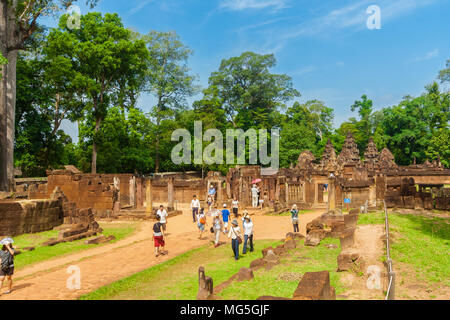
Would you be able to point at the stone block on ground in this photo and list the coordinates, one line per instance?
(271, 257)
(316, 224)
(100, 239)
(244, 274)
(264, 251)
(315, 286)
(351, 220)
(76, 229)
(290, 244)
(205, 285)
(279, 250)
(350, 261)
(347, 239)
(314, 237)
(258, 263)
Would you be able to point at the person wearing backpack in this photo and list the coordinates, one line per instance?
(158, 237)
(294, 217)
(201, 218)
(7, 265)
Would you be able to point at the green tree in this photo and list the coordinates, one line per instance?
(248, 92)
(444, 75)
(168, 79)
(104, 57)
(3, 61)
(18, 23)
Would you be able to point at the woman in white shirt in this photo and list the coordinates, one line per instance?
(235, 235)
(248, 233)
(195, 206)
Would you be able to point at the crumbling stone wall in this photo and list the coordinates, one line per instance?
(29, 216)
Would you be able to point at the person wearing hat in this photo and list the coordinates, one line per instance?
(235, 235)
(294, 216)
(255, 195)
(7, 265)
(248, 232)
(225, 217)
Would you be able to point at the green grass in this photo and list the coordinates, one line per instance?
(419, 241)
(40, 254)
(268, 283)
(176, 279)
(288, 213)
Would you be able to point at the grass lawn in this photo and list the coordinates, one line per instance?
(288, 213)
(419, 241)
(119, 230)
(176, 279)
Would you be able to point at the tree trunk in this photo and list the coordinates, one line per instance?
(8, 37)
(94, 148)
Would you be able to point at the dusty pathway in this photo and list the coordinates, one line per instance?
(369, 244)
(103, 265)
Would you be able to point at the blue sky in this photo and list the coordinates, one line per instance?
(325, 46)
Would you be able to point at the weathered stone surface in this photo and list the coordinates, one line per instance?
(258, 263)
(279, 250)
(316, 224)
(350, 220)
(271, 257)
(290, 244)
(77, 229)
(205, 285)
(244, 274)
(314, 237)
(409, 202)
(264, 251)
(347, 239)
(315, 286)
(354, 211)
(350, 261)
(100, 239)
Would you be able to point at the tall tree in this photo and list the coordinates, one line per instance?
(248, 92)
(18, 22)
(104, 57)
(169, 79)
(444, 75)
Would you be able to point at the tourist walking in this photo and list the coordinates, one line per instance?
(212, 192)
(218, 226)
(7, 263)
(294, 216)
(254, 196)
(195, 207)
(162, 213)
(225, 217)
(236, 238)
(235, 204)
(158, 237)
(209, 201)
(248, 232)
(201, 218)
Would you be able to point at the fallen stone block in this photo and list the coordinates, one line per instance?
(258, 263)
(315, 286)
(72, 231)
(314, 237)
(271, 257)
(350, 261)
(264, 251)
(347, 239)
(289, 244)
(316, 224)
(244, 274)
(205, 286)
(351, 220)
(279, 250)
(354, 211)
(100, 239)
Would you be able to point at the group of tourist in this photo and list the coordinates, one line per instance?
(219, 225)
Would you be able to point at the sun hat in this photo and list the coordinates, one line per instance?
(6, 241)
(235, 223)
(224, 205)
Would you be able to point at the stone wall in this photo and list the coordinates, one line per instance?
(29, 216)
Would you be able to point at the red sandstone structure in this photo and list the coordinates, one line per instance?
(367, 182)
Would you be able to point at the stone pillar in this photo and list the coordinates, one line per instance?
(139, 199)
(116, 207)
(219, 192)
(170, 194)
(277, 190)
(331, 196)
(287, 193)
(133, 191)
(316, 193)
(148, 198)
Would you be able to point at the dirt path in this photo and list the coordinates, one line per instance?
(369, 244)
(103, 265)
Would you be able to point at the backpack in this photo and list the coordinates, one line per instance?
(7, 262)
(202, 220)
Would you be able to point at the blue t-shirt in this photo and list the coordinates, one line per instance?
(225, 215)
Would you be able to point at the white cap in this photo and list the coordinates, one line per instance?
(224, 205)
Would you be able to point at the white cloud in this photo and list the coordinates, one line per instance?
(429, 55)
(304, 70)
(239, 5)
(139, 7)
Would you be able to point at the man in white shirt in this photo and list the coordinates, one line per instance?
(254, 196)
(162, 213)
(195, 206)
